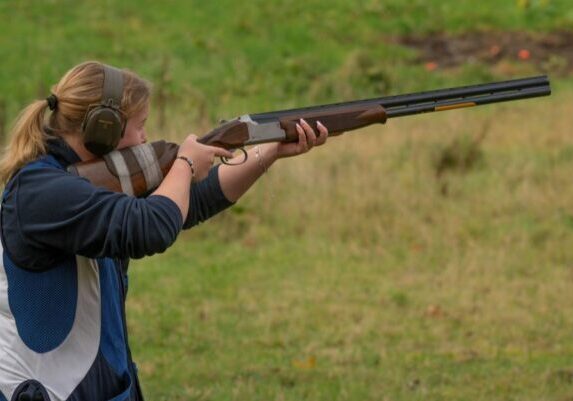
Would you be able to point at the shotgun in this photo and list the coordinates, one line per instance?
(140, 169)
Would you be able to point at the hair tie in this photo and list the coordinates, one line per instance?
(52, 102)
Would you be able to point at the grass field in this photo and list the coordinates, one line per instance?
(370, 269)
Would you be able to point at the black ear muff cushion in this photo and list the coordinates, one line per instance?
(103, 128)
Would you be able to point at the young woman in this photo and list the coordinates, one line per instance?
(66, 243)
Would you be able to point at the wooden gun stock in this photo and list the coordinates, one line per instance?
(135, 171)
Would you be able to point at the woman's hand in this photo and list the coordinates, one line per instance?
(307, 139)
(202, 156)
(236, 180)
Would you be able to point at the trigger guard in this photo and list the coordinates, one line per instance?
(225, 160)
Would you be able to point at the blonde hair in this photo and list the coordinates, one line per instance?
(78, 89)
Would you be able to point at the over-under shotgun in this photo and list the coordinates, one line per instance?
(140, 169)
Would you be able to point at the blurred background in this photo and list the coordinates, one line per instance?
(426, 259)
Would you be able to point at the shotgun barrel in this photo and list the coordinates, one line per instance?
(435, 100)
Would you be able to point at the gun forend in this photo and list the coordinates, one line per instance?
(338, 120)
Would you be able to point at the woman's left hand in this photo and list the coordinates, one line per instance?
(307, 139)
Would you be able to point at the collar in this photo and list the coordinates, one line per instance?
(63, 153)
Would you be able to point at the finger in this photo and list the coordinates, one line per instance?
(310, 134)
(322, 133)
(222, 152)
(322, 130)
(302, 140)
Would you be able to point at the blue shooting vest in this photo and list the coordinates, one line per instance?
(64, 327)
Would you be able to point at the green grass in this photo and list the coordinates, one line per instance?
(352, 273)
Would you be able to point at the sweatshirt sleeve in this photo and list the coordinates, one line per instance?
(48, 212)
(207, 199)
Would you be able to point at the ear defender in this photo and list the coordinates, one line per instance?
(104, 123)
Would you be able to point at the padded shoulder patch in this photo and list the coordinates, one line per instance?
(43, 303)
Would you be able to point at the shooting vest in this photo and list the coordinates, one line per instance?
(62, 330)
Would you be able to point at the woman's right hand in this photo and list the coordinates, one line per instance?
(202, 156)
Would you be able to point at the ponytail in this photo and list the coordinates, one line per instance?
(28, 140)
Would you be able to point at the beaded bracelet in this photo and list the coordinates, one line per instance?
(190, 162)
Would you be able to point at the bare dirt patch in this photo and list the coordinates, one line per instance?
(551, 53)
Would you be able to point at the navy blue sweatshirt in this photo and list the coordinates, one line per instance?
(49, 214)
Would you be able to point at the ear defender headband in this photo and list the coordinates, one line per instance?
(104, 123)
